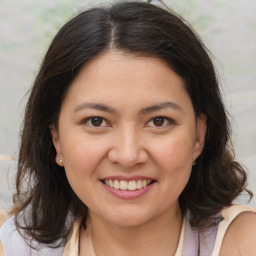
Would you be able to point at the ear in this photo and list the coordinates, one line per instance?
(201, 128)
(57, 145)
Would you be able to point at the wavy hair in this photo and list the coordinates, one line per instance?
(43, 192)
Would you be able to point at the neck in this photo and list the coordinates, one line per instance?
(159, 236)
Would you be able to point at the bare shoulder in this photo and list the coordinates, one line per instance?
(240, 238)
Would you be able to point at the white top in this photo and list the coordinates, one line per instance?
(209, 242)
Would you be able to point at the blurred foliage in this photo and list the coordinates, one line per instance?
(49, 16)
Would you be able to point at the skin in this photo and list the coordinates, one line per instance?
(130, 141)
(240, 237)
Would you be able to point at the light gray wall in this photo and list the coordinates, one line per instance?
(227, 27)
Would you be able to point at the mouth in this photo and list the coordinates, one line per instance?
(125, 185)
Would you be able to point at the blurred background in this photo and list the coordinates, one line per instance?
(228, 28)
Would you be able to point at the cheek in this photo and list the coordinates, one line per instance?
(82, 156)
(174, 158)
(81, 149)
(81, 159)
(176, 152)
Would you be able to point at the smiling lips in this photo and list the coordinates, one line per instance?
(128, 188)
(127, 185)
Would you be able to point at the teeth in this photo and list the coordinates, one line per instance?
(123, 185)
(139, 184)
(116, 184)
(111, 183)
(144, 183)
(127, 185)
(132, 185)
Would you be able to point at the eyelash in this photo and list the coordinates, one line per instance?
(91, 118)
(166, 121)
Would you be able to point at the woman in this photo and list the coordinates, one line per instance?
(125, 148)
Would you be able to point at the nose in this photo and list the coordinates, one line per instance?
(127, 149)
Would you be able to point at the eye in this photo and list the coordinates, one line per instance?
(96, 121)
(160, 121)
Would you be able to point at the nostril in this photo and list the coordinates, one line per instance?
(127, 155)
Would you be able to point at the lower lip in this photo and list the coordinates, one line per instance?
(128, 194)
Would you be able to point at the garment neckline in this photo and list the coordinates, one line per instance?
(72, 244)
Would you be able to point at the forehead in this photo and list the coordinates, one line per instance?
(117, 77)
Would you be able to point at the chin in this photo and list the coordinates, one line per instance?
(129, 222)
(129, 218)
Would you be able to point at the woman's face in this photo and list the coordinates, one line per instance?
(128, 136)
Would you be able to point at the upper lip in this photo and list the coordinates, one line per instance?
(120, 177)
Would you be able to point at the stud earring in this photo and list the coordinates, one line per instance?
(61, 160)
(194, 163)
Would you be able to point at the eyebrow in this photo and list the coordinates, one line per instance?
(96, 106)
(146, 110)
(160, 106)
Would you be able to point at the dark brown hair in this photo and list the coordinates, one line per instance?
(44, 195)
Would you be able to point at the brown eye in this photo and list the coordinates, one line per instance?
(96, 121)
(158, 121)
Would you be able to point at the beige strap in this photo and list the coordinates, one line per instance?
(71, 248)
(228, 214)
(72, 245)
(181, 241)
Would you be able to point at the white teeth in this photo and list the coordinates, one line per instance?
(111, 183)
(116, 184)
(144, 183)
(139, 184)
(123, 185)
(127, 185)
(132, 185)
